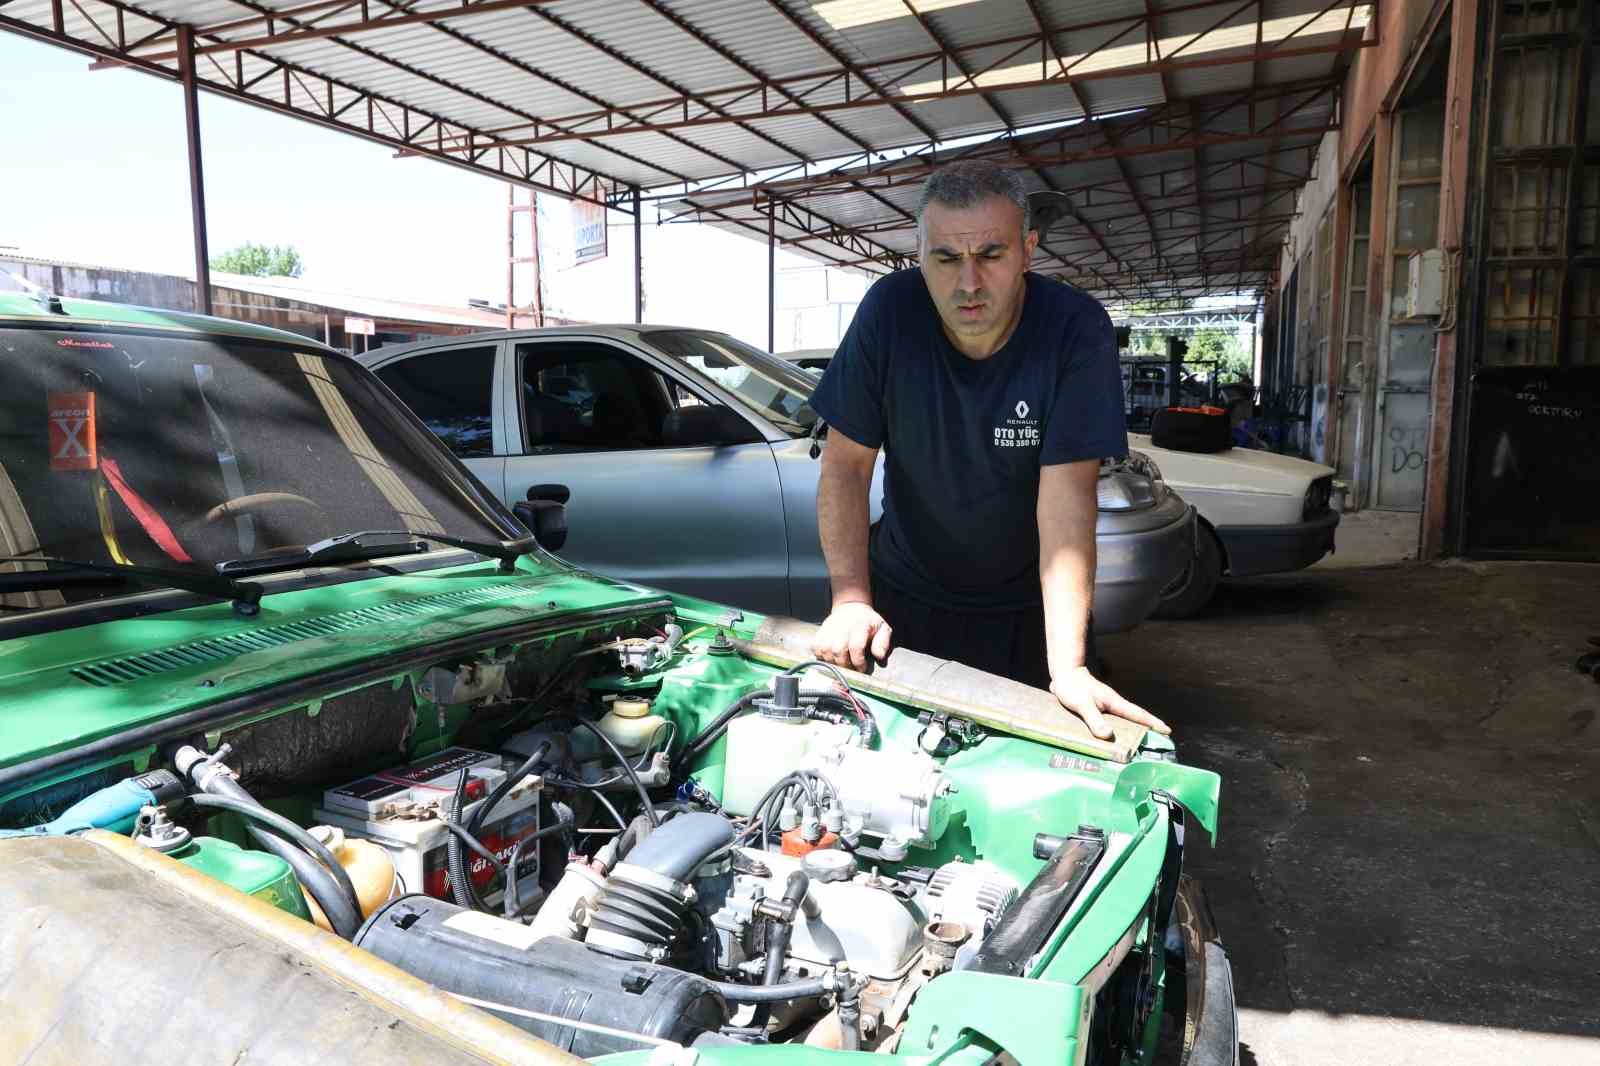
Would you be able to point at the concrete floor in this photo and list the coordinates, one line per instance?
(1373, 538)
(1408, 865)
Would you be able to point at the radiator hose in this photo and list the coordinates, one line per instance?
(322, 876)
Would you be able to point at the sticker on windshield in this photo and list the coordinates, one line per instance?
(72, 440)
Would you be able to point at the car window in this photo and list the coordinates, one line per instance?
(776, 387)
(167, 450)
(579, 396)
(452, 391)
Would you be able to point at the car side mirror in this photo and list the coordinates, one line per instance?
(546, 518)
(706, 424)
(553, 493)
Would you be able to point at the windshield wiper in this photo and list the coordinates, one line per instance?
(507, 553)
(245, 595)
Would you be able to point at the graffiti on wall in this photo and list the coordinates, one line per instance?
(1407, 448)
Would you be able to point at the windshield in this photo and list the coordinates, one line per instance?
(185, 451)
(771, 385)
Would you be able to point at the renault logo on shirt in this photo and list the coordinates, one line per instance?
(1018, 432)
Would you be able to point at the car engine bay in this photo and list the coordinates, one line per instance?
(637, 836)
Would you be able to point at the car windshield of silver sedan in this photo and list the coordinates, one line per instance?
(776, 388)
(176, 453)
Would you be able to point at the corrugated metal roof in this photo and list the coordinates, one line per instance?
(591, 98)
(1183, 199)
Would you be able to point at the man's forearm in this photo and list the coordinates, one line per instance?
(1067, 583)
(842, 526)
(1067, 514)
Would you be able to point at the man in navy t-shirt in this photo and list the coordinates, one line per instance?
(994, 394)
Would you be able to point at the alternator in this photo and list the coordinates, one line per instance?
(975, 894)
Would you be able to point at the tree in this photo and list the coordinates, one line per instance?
(1233, 358)
(258, 260)
(1223, 347)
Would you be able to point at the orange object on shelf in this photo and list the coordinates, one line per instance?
(796, 845)
(1203, 409)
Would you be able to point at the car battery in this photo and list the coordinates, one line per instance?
(404, 810)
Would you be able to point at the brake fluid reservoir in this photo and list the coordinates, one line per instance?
(255, 873)
(630, 726)
(370, 868)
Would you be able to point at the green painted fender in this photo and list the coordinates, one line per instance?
(989, 1005)
(1199, 791)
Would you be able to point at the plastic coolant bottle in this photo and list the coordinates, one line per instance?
(768, 743)
(255, 873)
(760, 751)
(370, 868)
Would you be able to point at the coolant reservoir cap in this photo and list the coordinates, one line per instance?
(329, 836)
(829, 864)
(630, 708)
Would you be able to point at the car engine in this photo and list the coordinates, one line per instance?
(789, 906)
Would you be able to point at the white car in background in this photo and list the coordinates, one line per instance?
(1260, 513)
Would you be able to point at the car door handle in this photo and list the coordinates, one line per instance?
(553, 493)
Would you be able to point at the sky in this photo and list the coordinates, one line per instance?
(96, 171)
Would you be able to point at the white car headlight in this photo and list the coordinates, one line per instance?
(1125, 490)
(1318, 496)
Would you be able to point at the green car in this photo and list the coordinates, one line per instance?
(313, 751)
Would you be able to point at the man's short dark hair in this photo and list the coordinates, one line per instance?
(968, 182)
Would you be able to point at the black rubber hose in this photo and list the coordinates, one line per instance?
(779, 933)
(630, 838)
(528, 766)
(677, 849)
(733, 993)
(622, 760)
(719, 725)
(462, 891)
(225, 787)
(313, 864)
(777, 949)
(511, 899)
(598, 794)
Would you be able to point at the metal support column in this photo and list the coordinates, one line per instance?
(772, 276)
(538, 270)
(513, 260)
(511, 256)
(638, 257)
(197, 185)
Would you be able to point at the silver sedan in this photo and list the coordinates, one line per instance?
(689, 462)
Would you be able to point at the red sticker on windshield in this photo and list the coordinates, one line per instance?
(72, 443)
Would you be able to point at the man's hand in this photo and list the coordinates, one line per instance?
(852, 633)
(1090, 699)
